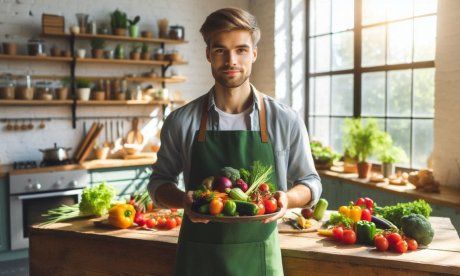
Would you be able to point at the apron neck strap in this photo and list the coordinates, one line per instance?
(262, 119)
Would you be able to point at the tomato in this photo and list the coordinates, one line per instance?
(366, 215)
(170, 223)
(337, 233)
(270, 205)
(173, 210)
(349, 237)
(360, 202)
(393, 239)
(381, 242)
(412, 244)
(150, 223)
(261, 207)
(139, 219)
(264, 187)
(178, 220)
(369, 202)
(161, 221)
(307, 213)
(401, 246)
(216, 207)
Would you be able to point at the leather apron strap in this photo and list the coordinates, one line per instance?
(262, 119)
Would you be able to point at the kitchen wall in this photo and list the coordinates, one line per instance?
(21, 20)
(446, 155)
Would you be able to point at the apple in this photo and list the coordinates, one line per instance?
(307, 213)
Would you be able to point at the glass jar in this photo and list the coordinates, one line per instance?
(7, 87)
(44, 90)
(36, 47)
(25, 90)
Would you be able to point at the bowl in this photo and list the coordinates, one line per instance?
(131, 149)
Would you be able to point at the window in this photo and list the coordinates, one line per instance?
(373, 58)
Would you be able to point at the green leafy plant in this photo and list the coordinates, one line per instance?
(83, 83)
(65, 81)
(145, 48)
(322, 153)
(362, 139)
(136, 47)
(118, 20)
(97, 43)
(387, 152)
(134, 21)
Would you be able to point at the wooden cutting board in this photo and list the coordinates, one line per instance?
(285, 227)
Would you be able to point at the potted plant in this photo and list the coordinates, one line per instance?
(97, 47)
(119, 21)
(83, 89)
(145, 52)
(389, 154)
(63, 90)
(134, 27)
(361, 139)
(323, 156)
(135, 52)
(119, 51)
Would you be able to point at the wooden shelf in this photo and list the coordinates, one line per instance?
(120, 38)
(117, 102)
(130, 61)
(157, 79)
(35, 102)
(34, 58)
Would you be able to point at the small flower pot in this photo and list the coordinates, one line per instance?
(364, 168)
(134, 31)
(145, 56)
(55, 52)
(99, 95)
(66, 53)
(62, 93)
(83, 94)
(146, 34)
(135, 55)
(120, 96)
(97, 53)
(9, 48)
(120, 31)
(388, 169)
(159, 57)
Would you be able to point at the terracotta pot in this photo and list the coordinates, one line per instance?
(97, 53)
(9, 48)
(99, 95)
(159, 57)
(364, 169)
(55, 52)
(135, 55)
(146, 34)
(120, 31)
(62, 93)
(145, 56)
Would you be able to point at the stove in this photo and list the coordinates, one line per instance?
(31, 164)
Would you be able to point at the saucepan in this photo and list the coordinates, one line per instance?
(56, 154)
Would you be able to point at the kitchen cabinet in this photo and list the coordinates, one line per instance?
(4, 223)
(341, 192)
(126, 180)
(74, 62)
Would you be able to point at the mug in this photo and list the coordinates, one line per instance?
(81, 53)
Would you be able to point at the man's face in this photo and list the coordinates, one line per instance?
(231, 55)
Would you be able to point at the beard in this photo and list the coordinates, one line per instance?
(227, 81)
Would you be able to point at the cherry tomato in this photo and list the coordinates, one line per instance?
(369, 202)
(178, 220)
(139, 219)
(161, 221)
(173, 210)
(412, 244)
(401, 246)
(393, 239)
(381, 242)
(151, 223)
(216, 206)
(349, 237)
(170, 223)
(261, 207)
(270, 205)
(360, 202)
(337, 233)
(366, 215)
(264, 187)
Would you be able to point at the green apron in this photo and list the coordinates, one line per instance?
(249, 248)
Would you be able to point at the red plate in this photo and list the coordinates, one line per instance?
(228, 219)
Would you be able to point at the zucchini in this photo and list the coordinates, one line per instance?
(245, 208)
(320, 208)
(238, 194)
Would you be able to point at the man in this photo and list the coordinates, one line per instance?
(232, 125)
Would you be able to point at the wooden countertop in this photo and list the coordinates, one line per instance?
(449, 196)
(298, 250)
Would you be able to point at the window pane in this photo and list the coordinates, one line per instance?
(337, 134)
(423, 142)
(424, 38)
(373, 11)
(312, 16)
(312, 55)
(323, 53)
(311, 96)
(342, 15)
(373, 94)
(321, 129)
(400, 42)
(322, 95)
(397, 9)
(342, 51)
(399, 93)
(373, 46)
(342, 95)
(323, 16)
(425, 7)
(399, 129)
(423, 92)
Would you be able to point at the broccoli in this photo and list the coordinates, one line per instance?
(245, 174)
(231, 173)
(417, 227)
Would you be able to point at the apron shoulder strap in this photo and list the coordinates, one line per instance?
(262, 119)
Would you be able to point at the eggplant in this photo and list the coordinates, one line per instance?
(382, 223)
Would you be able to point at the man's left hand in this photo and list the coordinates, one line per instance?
(282, 200)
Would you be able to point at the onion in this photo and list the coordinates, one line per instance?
(222, 183)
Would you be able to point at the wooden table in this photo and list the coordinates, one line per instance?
(80, 248)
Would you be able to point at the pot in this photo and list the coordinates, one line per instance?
(176, 32)
(55, 154)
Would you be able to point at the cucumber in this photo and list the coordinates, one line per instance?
(320, 208)
(245, 208)
(237, 194)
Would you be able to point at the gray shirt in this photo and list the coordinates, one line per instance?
(287, 132)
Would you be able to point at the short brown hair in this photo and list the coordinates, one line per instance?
(229, 19)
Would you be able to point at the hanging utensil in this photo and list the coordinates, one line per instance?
(112, 142)
(135, 136)
(9, 126)
(106, 142)
(41, 125)
(30, 125)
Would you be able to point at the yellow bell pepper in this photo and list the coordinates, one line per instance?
(355, 213)
(345, 210)
(122, 215)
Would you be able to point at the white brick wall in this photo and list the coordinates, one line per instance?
(446, 155)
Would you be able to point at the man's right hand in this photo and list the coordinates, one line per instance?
(187, 202)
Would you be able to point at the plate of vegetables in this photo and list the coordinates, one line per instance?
(236, 195)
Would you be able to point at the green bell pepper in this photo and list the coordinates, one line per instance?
(365, 232)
